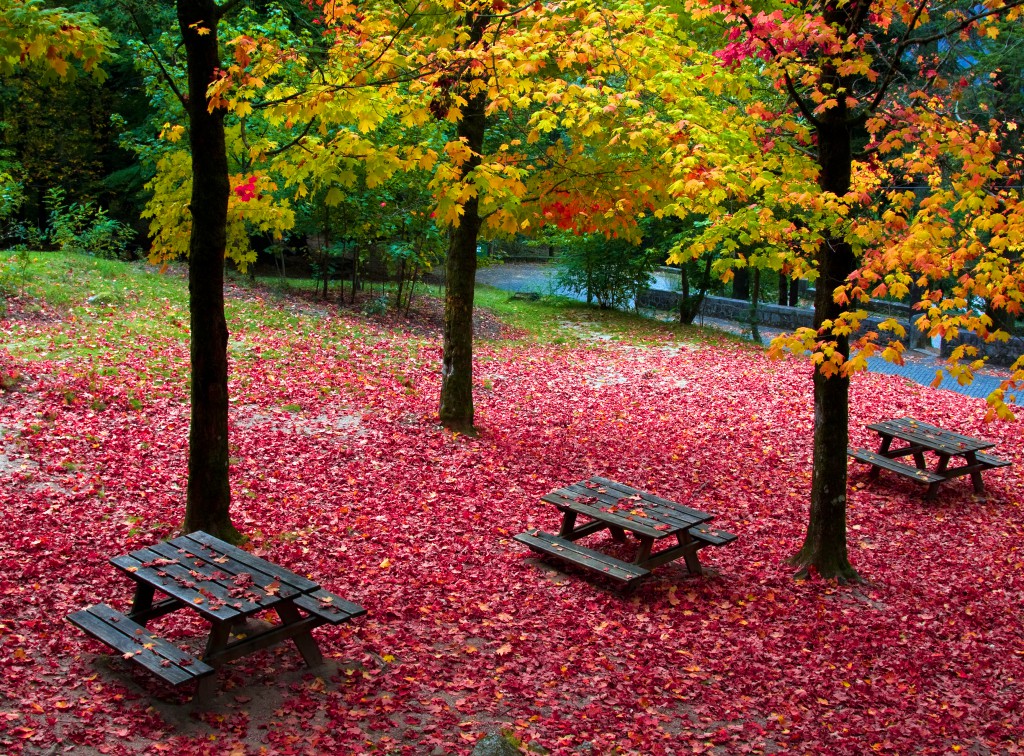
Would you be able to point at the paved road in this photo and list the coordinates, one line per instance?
(919, 367)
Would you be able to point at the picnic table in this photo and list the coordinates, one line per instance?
(226, 586)
(623, 509)
(920, 437)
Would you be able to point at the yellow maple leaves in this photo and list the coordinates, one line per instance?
(51, 39)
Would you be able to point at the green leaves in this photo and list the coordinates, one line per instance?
(51, 40)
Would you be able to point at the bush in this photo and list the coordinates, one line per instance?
(12, 197)
(13, 274)
(83, 227)
(610, 271)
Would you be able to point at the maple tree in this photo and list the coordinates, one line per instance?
(209, 492)
(862, 178)
(51, 40)
(41, 50)
(518, 98)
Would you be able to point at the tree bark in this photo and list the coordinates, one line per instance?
(824, 547)
(460, 275)
(209, 493)
(456, 410)
(741, 284)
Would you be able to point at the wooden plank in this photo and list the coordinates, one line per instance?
(696, 514)
(139, 645)
(581, 556)
(625, 521)
(332, 608)
(257, 587)
(662, 511)
(303, 585)
(991, 462)
(199, 555)
(930, 436)
(710, 536)
(175, 583)
(914, 473)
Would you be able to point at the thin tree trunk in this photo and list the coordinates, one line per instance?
(741, 284)
(755, 297)
(456, 410)
(456, 407)
(209, 492)
(824, 548)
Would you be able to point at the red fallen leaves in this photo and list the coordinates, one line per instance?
(925, 658)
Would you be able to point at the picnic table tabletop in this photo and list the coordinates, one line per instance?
(626, 507)
(930, 436)
(216, 579)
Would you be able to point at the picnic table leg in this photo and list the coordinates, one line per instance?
(644, 552)
(618, 534)
(971, 459)
(690, 556)
(143, 600)
(568, 523)
(883, 449)
(220, 633)
(304, 641)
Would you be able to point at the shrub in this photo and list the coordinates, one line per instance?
(84, 227)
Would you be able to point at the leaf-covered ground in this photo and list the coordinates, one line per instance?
(340, 471)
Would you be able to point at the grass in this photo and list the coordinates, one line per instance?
(99, 299)
(104, 301)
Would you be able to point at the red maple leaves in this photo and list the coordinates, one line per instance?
(466, 633)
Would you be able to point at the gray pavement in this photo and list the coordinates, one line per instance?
(919, 367)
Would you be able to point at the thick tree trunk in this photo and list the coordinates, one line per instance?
(209, 494)
(824, 547)
(456, 410)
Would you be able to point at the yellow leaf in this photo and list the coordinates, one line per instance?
(505, 648)
(386, 563)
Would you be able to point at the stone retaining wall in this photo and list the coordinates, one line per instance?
(769, 315)
(1001, 353)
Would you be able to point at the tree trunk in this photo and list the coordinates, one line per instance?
(460, 274)
(741, 284)
(209, 493)
(755, 300)
(824, 547)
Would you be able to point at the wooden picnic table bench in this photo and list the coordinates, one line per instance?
(226, 586)
(921, 437)
(623, 509)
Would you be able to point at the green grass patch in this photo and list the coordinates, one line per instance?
(107, 306)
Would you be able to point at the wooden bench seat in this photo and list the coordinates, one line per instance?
(991, 462)
(894, 465)
(139, 645)
(330, 607)
(711, 536)
(569, 551)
